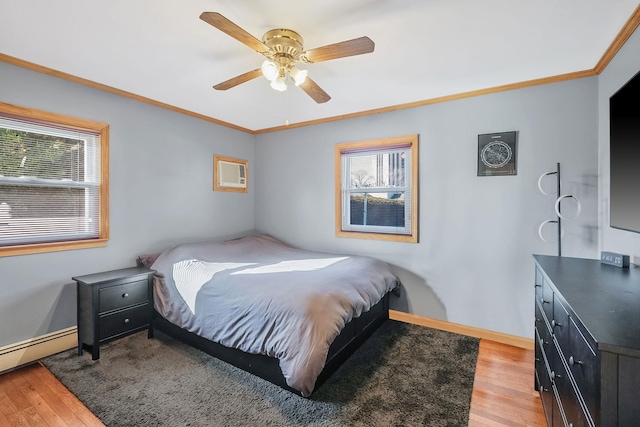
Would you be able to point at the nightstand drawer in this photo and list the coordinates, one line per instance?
(123, 321)
(120, 296)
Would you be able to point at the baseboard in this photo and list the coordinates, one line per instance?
(471, 331)
(14, 355)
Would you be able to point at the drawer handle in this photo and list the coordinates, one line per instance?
(537, 286)
(554, 375)
(125, 295)
(554, 324)
(126, 320)
(573, 361)
(543, 301)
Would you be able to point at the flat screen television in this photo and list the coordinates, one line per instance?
(624, 114)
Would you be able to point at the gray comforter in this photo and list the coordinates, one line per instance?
(261, 296)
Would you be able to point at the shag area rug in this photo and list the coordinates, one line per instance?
(404, 375)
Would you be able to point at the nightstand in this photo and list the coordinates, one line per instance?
(113, 304)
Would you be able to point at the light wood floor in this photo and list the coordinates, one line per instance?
(503, 394)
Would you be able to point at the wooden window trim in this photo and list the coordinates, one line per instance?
(372, 144)
(102, 129)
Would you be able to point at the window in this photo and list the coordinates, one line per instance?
(377, 189)
(54, 187)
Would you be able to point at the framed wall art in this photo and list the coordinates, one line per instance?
(497, 154)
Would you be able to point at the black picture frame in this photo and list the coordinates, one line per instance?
(497, 154)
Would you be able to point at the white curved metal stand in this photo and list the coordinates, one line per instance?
(542, 224)
(558, 204)
(540, 182)
(578, 208)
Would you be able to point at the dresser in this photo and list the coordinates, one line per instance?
(113, 304)
(587, 342)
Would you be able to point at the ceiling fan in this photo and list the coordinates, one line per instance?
(284, 48)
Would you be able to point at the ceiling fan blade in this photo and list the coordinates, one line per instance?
(226, 26)
(340, 50)
(242, 78)
(314, 91)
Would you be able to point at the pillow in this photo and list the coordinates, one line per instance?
(146, 260)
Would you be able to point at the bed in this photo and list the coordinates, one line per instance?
(288, 315)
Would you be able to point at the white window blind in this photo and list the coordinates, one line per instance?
(49, 182)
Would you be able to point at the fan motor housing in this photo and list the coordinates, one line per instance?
(285, 42)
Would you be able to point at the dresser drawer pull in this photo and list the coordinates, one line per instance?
(572, 361)
(126, 320)
(543, 301)
(554, 375)
(537, 285)
(554, 324)
(125, 295)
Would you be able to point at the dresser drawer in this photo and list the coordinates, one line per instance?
(539, 319)
(585, 368)
(546, 301)
(560, 323)
(119, 322)
(568, 398)
(120, 296)
(543, 339)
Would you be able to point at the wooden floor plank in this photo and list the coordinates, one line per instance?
(7, 407)
(70, 407)
(28, 417)
(17, 400)
(36, 400)
(4, 421)
(55, 399)
(503, 393)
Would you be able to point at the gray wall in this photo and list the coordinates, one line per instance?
(473, 264)
(623, 66)
(161, 184)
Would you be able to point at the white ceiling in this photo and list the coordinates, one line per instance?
(160, 49)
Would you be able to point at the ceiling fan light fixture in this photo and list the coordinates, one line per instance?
(297, 75)
(279, 84)
(270, 70)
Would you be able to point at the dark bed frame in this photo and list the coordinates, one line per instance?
(346, 343)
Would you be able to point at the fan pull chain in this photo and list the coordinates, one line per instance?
(286, 108)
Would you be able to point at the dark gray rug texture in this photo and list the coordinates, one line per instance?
(404, 375)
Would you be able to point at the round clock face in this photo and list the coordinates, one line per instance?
(496, 154)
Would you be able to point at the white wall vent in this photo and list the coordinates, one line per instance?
(232, 175)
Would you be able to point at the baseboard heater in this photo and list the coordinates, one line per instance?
(24, 352)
